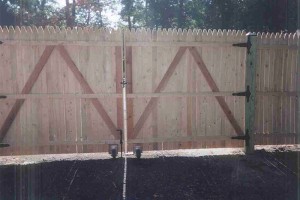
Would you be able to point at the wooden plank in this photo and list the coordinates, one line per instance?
(207, 55)
(270, 103)
(214, 88)
(137, 95)
(129, 90)
(118, 60)
(160, 87)
(70, 84)
(154, 84)
(259, 86)
(87, 89)
(218, 70)
(26, 89)
(191, 101)
(91, 43)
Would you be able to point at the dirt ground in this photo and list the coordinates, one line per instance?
(184, 174)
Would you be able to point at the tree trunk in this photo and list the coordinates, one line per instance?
(129, 22)
(73, 13)
(67, 10)
(181, 15)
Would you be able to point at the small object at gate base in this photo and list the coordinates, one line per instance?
(113, 150)
(137, 150)
(2, 145)
(121, 140)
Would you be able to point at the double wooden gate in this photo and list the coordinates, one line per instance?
(63, 91)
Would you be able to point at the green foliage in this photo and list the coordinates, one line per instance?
(89, 13)
(37, 12)
(6, 17)
(249, 15)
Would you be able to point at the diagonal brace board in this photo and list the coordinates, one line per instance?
(213, 86)
(153, 101)
(87, 89)
(26, 89)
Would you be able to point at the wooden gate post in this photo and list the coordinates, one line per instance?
(298, 85)
(250, 83)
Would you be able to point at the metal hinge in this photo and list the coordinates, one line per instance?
(2, 145)
(245, 137)
(247, 93)
(1, 42)
(245, 44)
(2, 97)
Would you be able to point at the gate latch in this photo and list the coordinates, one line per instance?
(123, 82)
(247, 93)
(121, 140)
(245, 137)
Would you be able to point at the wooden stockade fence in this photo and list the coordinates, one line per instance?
(63, 91)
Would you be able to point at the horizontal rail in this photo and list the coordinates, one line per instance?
(133, 141)
(116, 43)
(274, 46)
(142, 44)
(157, 140)
(135, 95)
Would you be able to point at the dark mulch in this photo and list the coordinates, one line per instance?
(263, 175)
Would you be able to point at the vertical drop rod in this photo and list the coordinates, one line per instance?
(124, 83)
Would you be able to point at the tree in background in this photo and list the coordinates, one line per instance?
(47, 12)
(30, 12)
(132, 13)
(6, 18)
(89, 13)
(250, 15)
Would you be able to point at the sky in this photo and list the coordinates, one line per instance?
(112, 17)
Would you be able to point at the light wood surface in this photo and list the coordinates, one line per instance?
(73, 102)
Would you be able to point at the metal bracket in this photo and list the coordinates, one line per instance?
(3, 97)
(123, 82)
(2, 145)
(247, 44)
(245, 137)
(247, 93)
(1, 42)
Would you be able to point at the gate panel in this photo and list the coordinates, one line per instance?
(68, 104)
(183, 111)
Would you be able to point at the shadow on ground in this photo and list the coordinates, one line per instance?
(259, 176)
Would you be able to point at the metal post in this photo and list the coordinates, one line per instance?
(124, 83)
(298, 27)
(298, 82)
(250, 83)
